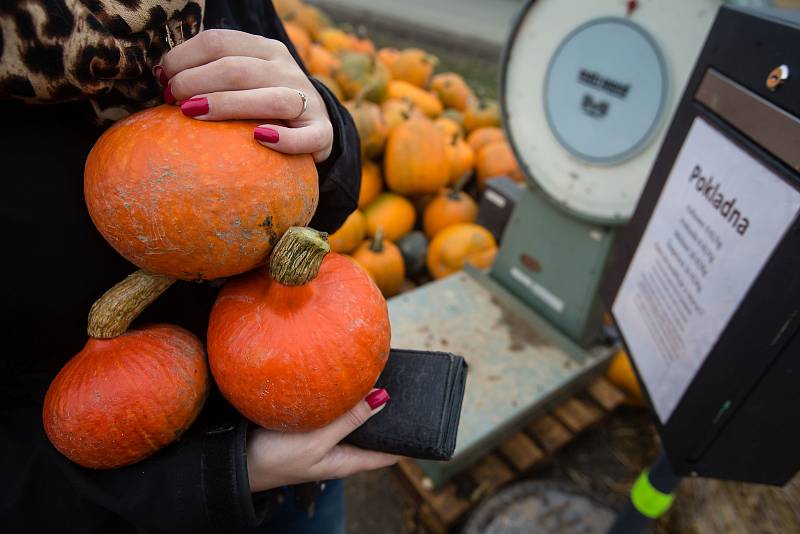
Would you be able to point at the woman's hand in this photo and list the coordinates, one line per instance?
(228, 74)
(277, 459)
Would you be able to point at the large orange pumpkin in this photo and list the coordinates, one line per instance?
(371, 126)
(414, 66)
(452, 90)
(383, 261)
(371, 183)
(452, 206)
(458, 244)
(393, 213)
(350, 235)
(194, 200)
(416, 160)
(360, 76)
(497, 159)
(424, 100)
(295, 348)
(481, 113)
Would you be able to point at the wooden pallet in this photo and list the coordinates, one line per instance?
(533, 448)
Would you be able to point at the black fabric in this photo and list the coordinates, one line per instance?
(55, 264)
(421, 419)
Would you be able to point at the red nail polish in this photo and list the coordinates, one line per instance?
(268, 135)
(195, 106)
(168, 98)
(159, 73)
(377, 398)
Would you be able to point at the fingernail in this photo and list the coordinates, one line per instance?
(195, 106)
(159, 73)
(377, 398)
(268, 135)
(168, 98)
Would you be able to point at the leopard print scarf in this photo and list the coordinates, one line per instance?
(101, 50)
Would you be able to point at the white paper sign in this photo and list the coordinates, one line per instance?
(720, 215)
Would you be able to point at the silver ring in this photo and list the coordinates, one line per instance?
(305, 104)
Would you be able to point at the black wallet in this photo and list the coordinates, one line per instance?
(426, 390)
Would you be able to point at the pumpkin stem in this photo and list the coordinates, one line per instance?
(459, 185)
(297, 256)
(377, 241)
(112, 313)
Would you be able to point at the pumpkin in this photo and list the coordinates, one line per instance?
(294, 348)
(393, 213)
(458, 244)
(286, 9)
(461, 158)
(372, 128)
(396, 111)
(455, 116)
(414, 249)
(416, 160)
(481, 137)
(334, 40)
(127, 393)
(449, 128)
(481, 113)
(350, 234)
(360, 76)
(321, 61)
(497, 159)
(194, 200)
(299, 38)
(414, 66)
(452, 90)
(451, 206)
(311, 19)
(371, 183)
(387, 56)
(384, 263)
(362, 44)
(424, 100)
(331, 84)
(620, 372)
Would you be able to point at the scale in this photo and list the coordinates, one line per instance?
(587, 89)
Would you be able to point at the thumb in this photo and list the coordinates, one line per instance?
(335, 432)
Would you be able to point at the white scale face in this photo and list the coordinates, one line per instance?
(588, 91)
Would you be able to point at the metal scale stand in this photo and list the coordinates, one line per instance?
(587, 91)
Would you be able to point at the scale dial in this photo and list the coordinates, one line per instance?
(587, 89)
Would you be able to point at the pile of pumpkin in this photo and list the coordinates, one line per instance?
(424, 136)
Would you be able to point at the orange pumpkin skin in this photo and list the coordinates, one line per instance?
(360, 73)
(321, 61)
(424, 100)
(387, 56)
(311, 19)
(497, 159)
(452, 90)
(482, 113)
(458, 244)
(299, 38)
(350, 235)
(364, 45)
(371, 183)
(414, 66)
(461, 157)
(194, 200)
(455, 116)
(416, 160)
(334, 40)
(120, 400)
(331, 84)
(386, 267)
(397, 111)
(450, 128)
(296, 358)
(394, 213)
(480, 137)
(371, 126)
(447, 209)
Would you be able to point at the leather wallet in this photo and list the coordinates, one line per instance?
(426, 390)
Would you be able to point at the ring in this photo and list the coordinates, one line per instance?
(305, 104)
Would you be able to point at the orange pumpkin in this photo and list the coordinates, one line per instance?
(416, 159)
(452, 90)
(397, 111)
(424, 100)
(299, 38)
(497, 159)
(458, 244)
(350, 235)
(334, 40)
(393, 213)
(414, 66)
(321, 61)
(384, 263)
(450, 128)
(286, 9)
(311, 19)
(194, 200)
(621, 373)
(451, 206)
(482, 113)
(371, 183)
(372, 128)
(481, 137)
(361, 76)
(455, 116)
(294, 348)
(331, 84)
(361, 44)
(387, 56)
(461, 157)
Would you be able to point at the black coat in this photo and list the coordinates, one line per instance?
(54, 265)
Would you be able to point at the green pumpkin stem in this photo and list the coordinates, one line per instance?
(298, 255)
(377, 241)
(455, 191)
(112, 314)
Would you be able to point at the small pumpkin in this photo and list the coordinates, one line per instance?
(387, 56)
(322, 62)
(424, 100)
(331, 84)
(371, 183)
(350, 235)
(360, 76)
(452, 90)
(497, 159)
(393, 213)
(458, 244)
(396, 111)
(414, 249)
(455, 116)
(372, 128)
(414, 66)
(194, 200)
(621, 373)
(294, 348)
(127, 393)
(334, 40)
(384, 263)
(299, 38)
(362, 44)
(311, 19)
(286, 9)
(451, 206)
(481, 137)
(416, 160)
(461, 157)
(482, 112)
(450, 128)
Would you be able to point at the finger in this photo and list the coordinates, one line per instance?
(344, 460)
(335, 432)
(211, 45)
(273, 102)
(315, 138)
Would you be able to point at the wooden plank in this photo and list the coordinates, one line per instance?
(550, 433)
(430, 519)
(445, 502)
(521, 452)
(578, 415)
(605, 394)
(489, 473)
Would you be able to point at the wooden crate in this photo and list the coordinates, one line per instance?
(533, 448)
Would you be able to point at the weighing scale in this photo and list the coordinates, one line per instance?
(587, 88)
